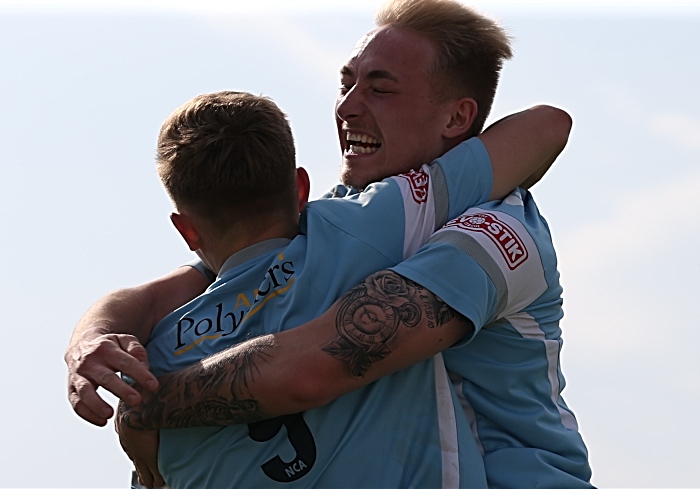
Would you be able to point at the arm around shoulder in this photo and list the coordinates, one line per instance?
(109, 337)
(384, 324)
(524, 145)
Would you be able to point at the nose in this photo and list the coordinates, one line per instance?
(349, 105)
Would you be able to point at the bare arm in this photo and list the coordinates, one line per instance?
(108, 339)
(382, 325)
(524, 145)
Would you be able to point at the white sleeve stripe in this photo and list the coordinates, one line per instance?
(457, 381)
(447, 424)
(440, 195)
(528, 327)
(472, 248)
(419, 208)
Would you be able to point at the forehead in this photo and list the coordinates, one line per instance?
(389, 49)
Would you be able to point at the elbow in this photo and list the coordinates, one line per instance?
(563, 125)
(305, 389)
(311, 393)
(559, 124)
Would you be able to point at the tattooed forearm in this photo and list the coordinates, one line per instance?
(437, 312)
(373, 313)
(213, 411)
(213, 392)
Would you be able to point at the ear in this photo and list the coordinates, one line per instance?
(462, 113)
(184, 225)
(303, 187)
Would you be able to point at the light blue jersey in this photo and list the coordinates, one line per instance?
(402, 430)
(496, 265)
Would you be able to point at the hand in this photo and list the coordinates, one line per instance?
(95, 363)
(142, 448)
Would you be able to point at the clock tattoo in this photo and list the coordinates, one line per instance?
(367, 322)
(369, 317)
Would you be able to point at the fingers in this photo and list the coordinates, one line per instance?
(95, 364)
(86, 403)
(142, 448)
(148, 478)
(158, 480)
(103, 358)
(136, 364)
(145, 476)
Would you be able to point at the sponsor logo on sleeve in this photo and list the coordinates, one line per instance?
(501, 234)
(418, 182)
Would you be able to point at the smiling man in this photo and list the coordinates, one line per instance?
(412, 90)
(396, 84)
(388, 114)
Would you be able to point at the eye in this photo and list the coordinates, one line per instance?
(345, 89)
(381, 90)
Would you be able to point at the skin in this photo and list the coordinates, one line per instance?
(102, 345)
(386, 94)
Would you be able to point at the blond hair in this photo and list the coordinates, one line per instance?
(471, 48)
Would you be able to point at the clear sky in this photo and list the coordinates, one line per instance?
(84, 88)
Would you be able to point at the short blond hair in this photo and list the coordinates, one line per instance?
(228, 154)
(471, 48)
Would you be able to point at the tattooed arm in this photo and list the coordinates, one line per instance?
(382, 325)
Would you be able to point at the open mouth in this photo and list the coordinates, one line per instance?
(361, 143)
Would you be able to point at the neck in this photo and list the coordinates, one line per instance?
(214, 252)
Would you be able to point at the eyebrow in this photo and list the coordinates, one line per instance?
(382, 74)
(372, 75)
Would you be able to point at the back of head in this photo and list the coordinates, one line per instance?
(226, 156)
(471, 48)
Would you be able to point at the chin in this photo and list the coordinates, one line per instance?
(353, 179)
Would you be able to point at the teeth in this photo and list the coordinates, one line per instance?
(361, 138)
(361, 149)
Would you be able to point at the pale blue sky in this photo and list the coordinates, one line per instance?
(83, 92)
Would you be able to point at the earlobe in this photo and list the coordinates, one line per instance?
(185, 227)
(462, 115)
(303, 187)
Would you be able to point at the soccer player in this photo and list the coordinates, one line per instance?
(227, 162)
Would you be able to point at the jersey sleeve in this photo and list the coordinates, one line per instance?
(485, 264)
(202, 268)
(466, 180)
(397, 215)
